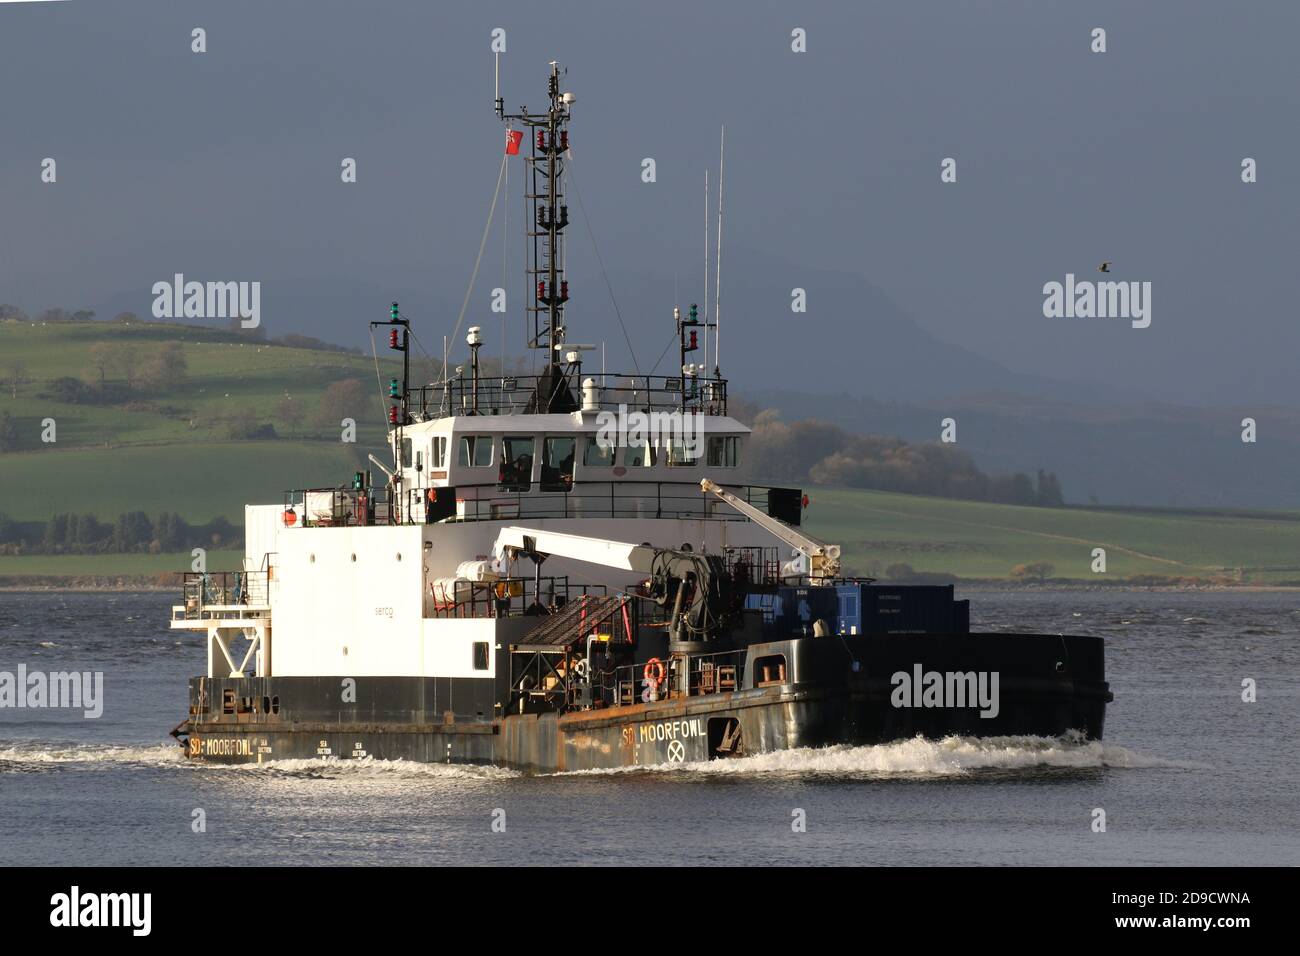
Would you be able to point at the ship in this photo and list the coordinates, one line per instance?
(568, 570)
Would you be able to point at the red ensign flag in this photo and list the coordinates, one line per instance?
(513, 136)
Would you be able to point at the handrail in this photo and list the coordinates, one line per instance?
(705, 675)
(487, 501)
(507, 597)
(203, 589)
(515, 394)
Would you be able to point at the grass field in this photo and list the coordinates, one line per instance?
(972, 539)
(199, 481)
(877, 529)
(226, 373)
(168, 453)
(111, 565)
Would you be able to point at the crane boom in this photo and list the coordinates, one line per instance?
(823, 559)
(611, 554)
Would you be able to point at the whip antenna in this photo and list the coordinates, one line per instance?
(706, 268)
(717, 266)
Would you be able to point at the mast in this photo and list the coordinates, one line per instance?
(549, 215)
(399, 394)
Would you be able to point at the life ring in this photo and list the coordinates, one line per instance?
(655, 672)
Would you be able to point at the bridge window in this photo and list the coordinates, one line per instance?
(682, 454)
(439, 457)
(481, 655)
(723, 451)
(557, 464)
(475, 451)
(639, 456)
(406, 453)
(516, 473)
(594, 456)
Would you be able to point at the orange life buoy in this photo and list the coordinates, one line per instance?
(655, 672)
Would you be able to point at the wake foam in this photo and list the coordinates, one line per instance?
(952, 757)
(35, 757)
(921, 758)
(364, 767)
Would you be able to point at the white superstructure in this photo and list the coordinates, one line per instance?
(336, 593)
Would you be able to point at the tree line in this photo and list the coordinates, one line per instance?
(133, 532)
(825, 454)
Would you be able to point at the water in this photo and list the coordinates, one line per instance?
(1188, 773)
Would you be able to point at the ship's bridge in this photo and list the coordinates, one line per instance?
(630, 441)
(633, 447)
(592, 461)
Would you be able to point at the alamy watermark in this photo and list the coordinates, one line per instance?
(82, 690)
(179, 299)
(130, 910)
(949, 689)
(1085, 299)
(680, 432)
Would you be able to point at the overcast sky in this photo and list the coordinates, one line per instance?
(225, 164)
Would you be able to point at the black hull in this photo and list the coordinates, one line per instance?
(1047, 686)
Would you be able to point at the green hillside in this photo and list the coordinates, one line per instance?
(226, 374)
(978, 540)
(170, 449)
(195, 479)
(139, 445)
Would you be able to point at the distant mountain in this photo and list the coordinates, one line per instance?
(854, 358)
(1146, 455)
(852, 337)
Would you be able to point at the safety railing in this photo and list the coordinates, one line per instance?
(504, 597)
(204, 590)
(332, 507)
(611, 499)
(693, 675)
(518, 394)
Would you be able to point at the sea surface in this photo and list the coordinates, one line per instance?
(1188, 772)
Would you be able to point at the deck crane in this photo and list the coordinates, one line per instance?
(695, 588)
(823, 559)
(701, 596)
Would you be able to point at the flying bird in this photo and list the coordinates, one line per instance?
(1104, 267)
